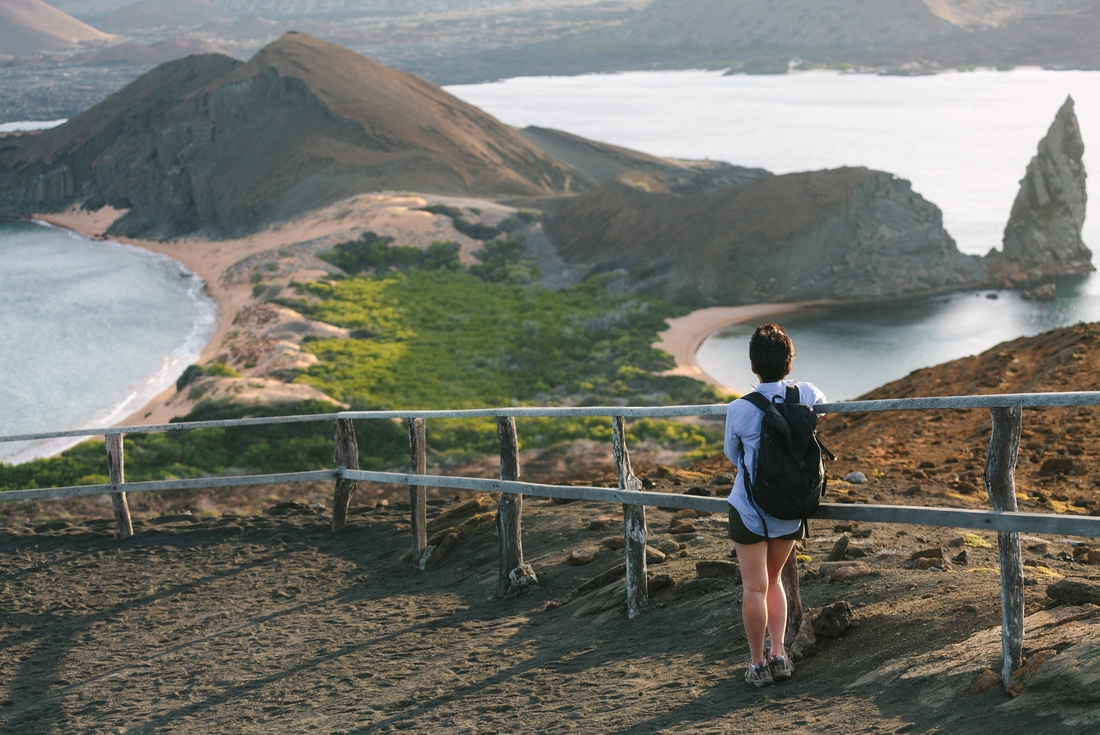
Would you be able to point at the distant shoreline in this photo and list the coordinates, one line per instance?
(686, 334)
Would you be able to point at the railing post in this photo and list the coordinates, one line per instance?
(1000, 483)
(514, 574)
(634, 530)
(417, 493)
(115, 470)
(347, 458)
(789, 578)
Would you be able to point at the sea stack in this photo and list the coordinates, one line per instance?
(1043, 235)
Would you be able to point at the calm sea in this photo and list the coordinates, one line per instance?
(89, 331)
(963, 139)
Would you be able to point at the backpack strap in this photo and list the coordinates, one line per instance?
(756, 399)
(761, 402)
(792, 395)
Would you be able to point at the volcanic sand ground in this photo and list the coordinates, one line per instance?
(269, 623)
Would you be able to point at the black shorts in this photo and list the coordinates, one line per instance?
(740, 534)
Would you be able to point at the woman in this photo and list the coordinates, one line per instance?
(762, 553)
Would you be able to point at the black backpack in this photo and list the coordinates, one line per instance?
(790, 477)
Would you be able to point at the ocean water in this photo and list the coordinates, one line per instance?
(847, 351)
(90, 331)
(962, 138)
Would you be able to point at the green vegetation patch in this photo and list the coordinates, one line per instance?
(372, 252)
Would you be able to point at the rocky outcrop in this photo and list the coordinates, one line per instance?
(1043, 236)
(210, 144)
(847, 233)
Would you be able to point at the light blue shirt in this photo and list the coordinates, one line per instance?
(743, 441)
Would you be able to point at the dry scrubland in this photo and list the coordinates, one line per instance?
(267, 622)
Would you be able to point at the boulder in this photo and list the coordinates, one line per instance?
(1075, 591)
(843, 571)
(832, 620)
(856, 478)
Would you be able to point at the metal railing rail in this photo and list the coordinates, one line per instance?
(1005, 519)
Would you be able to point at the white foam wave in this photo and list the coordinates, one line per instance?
(28, 125)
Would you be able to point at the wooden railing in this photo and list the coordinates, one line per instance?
(999, 479)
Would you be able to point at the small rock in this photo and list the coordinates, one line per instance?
(701, 492)
(613, 542)
(912, 490)
(657, 582)
(1080, 550)
(448, 543)
(957, 542)
(856, 478)
(685, 513)
(966, 488)
(984, 681)
(833, 620)
(51, 526)
(1060, 466)
(926, 563)
(840, 548)
(1039, 547)
(716, 569)
(648, 484)
(679, 526)
(1075, 591)
(599, 524)
(580, 557)
(933, 553)
(652, 556)
(865, 533)
(1093, 558)
(700, 585)
(855, 552)
(1022, 676)
(926, 465)
(843, 571)
(551, 605)
(847, 527)
(667, 546)
(962, 558)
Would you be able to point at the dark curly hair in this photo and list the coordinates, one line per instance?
(771, 352)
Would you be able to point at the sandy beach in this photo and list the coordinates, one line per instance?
(393, 215)
(685, 334)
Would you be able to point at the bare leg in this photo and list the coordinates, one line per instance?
(753, 560)
(778, 551)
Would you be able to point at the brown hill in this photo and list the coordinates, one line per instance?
(597, 162)
(844, 233)
(157, 53)
(1059, 466)
(209, 143)
(29, 27)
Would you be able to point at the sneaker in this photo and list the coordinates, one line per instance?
(781, 667)
(759, 675)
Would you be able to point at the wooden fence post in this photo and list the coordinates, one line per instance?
(1000, 483)
(514, 573)
(115, 470)
(634, 530)
(789, 578)
(417, 493)
(347, 458)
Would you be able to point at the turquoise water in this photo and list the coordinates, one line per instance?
(90, 331)
(847, 351)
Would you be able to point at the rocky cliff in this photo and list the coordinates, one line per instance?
(1043, 236)
(847, 233)
(208, 143)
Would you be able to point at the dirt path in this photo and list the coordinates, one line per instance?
(271, 624)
